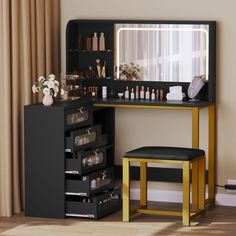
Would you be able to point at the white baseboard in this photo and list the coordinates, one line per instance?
(176, 196)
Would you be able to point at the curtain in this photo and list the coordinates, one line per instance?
(30, 46)
(165, 52)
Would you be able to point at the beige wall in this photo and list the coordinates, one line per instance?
(151, 127)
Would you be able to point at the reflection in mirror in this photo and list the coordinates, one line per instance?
(164, 52)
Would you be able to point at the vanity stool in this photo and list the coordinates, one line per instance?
(186, 157)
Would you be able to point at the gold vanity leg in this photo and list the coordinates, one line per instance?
(195, 144)
(126, 190)
(143, 184)
(211, 154)
(202, 184)
(186, 193)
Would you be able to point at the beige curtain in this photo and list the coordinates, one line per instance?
(29, 47)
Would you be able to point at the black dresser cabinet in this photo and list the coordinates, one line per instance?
(69, 158)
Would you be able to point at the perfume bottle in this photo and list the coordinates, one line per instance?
(147, 94)
(142, 93)
(132, 94)
(153, 95)
(95, 42)
(102, 42)
(127, 93)
(137, 92)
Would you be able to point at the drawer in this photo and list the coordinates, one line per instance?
(83, 138)
(88, 185)
(78, 117)
(86, 162)
(94, 207)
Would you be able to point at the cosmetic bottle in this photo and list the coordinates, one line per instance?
(79, 43)
(137, 92)
(95, 42)
(104, 91)
(161, 95)
(153, 95)
(132, 94)
(127, 93)
(147, 94)
(102, 42)
(157, 94)
(142, 93)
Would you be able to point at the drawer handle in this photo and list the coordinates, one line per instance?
(96, 152)
(89, 130)
(81, 110)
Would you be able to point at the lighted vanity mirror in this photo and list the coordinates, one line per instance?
(161, 52)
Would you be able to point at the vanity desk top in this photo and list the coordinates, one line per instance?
(185, 104)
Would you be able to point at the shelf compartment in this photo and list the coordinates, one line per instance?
(90, 184)
(85, 162)
(99, 206)
(83, 138)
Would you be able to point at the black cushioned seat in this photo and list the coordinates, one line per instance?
(165, 153)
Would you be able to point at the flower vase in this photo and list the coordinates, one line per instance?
(47, 100)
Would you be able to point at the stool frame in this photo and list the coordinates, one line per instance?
(198, 188)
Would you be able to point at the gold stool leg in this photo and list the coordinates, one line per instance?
(195, 184)
(186, 193)
(126, 190)
(202, 184)
(143, 184)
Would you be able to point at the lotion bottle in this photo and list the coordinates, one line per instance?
(142, 93)
(127, 93)
(153, 95)
(132, 94)
(147, 94)
(95, 42)
(102, 42)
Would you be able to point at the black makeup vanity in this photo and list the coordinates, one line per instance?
(55, 178)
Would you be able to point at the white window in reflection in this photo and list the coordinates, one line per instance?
(172, 52)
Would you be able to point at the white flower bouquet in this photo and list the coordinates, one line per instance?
(129, 71)
(47, 85)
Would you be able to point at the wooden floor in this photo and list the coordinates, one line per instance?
(219, 220)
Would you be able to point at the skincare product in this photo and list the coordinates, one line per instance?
(147, 94)
(127, 93)
(132, 94)
(104, 91)
(153, 95)
(102, 42)
(137, 92)
(95, 42)
(120, 95)
(161, 95)
(142, 93)
(157, 94)
(88, 44)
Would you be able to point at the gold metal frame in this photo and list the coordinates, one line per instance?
(195, 141)
(199, 199)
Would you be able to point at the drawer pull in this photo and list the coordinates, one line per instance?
(81, 110)
(89, 131)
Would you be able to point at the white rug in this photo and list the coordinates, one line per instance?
(97, 228)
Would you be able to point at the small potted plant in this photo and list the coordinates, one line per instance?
(49, 86)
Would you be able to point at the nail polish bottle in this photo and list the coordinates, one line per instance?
(132, 94)
(142, 93)
(153, 95)
(127, 93)
(147, 94)
(137, 92)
